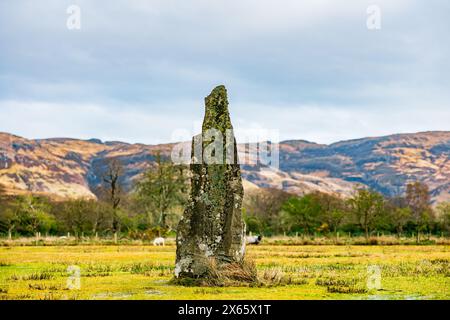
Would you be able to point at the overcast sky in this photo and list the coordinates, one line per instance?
(138, 71)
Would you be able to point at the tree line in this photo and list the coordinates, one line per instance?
(156, 201)
(151, 208)
(366, 213)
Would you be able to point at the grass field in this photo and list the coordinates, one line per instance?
(144, 272)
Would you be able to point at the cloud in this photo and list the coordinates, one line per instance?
(138, 70)
(328, 124)
(316, 123)
(84, 121)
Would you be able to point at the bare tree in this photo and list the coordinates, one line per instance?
(112, 191)
(264, 206)
(162, 188)
(418, 200)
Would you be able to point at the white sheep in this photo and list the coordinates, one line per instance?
(253, 239)
(159, 242)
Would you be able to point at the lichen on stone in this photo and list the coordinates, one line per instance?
(212, 224)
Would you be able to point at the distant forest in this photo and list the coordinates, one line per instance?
(155, 204)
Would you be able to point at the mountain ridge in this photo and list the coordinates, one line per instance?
(68, 167)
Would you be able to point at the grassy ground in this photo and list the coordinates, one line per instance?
(144, 272)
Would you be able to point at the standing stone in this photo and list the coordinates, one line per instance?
(212, 227)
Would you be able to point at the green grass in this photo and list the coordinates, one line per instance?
(286, 272)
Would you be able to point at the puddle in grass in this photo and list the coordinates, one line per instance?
(393, 296)
(122, 295)
(153, 293)
(105, 295)
(161, 282)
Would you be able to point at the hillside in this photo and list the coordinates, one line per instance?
(67, 168)
(385, 164)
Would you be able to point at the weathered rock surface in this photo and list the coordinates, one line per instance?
(212, 227)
